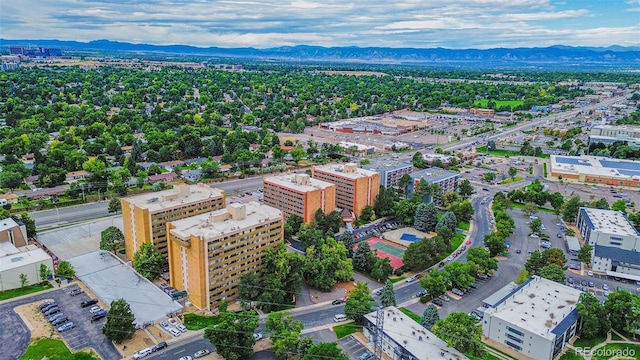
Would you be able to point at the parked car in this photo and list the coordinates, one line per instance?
(51, 311)
(366, 355)
(200, 353)
(337, 302)
(591, 284)
(188, 357)
(457, 291)
(410, 279)
(181, 328)
(473, 285)
(583, 282)
(165, 325)
(159, 346)
(574, 266)
(174, 332)
(605, 293)
(95, 309)
(444, 297)
(605, 287)
(421, 293)
(54, 317)
(59, 321)
(438, 302)
(257, 336)
(590, 273)
(99, 315)
(89, 302)
(66, 326)
(45, 304)
(142, 353)
(49, 306)
(172, 322)
(75, 292)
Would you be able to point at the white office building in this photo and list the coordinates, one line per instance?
(536, 320)
(615, 241)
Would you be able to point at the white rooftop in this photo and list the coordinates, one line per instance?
(350, 170)
(289, 181)
(596, 166)
(360, 147)
(218, 222)
(417, 340)
(7, 224)
(610, 221)
(16, 258)
(160, 200)
(539, 306)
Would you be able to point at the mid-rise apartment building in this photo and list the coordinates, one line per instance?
(208, 253)
(615, 241)
(145, 216)
(446, 179)
(390, 170)
(299, 194)
(355, 187)
(535, 320)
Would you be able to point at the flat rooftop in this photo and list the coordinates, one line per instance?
(596, 165)
(156, 201)
(339, 170)
(289, 181)
(538, 306)
(420, 342)
(434, 174)
(7, 224)
(609, 221)
(15, 258)
(110, 279)
(218, 222)
(385, 164)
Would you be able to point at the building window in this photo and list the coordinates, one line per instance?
(517, 332)
(514, 338)
(615, 243)
(519, 348)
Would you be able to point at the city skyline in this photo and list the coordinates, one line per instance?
(459, 24)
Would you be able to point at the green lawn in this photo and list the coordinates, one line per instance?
(583, 343)
(570, 355)
(506, 153)
(521, 206)
(8, 294)
(610, 351)
(398, 279)
(457, 240)
(53, 350)
(197, 322)
(463, 225)
(544, 169)
(409, 313)
(346, 329)
(510, 180)
(499, 103)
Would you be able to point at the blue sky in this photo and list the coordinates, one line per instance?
(454, 24)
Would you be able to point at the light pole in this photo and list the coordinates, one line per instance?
(57, 213)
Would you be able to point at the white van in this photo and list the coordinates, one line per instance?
(340, 317)
(142, 353)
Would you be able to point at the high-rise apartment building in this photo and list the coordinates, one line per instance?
(390, 170)
(145, 216)
(447, 180)
(355, 187)
(208, 253)
(299, 194)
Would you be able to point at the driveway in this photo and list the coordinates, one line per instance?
(15, 337)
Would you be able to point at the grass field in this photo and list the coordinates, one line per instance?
(457, 240)
(54, 350)
(9, 294)
(521, 206)
(197, 322)
(499, 103)
(346, 329)
(583, 343)
(498, 152)
(463, 225)
(611, 351)
(398, 279)
(409, 313)
(570, 355)
(510, 180)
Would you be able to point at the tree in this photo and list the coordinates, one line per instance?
(523, 275)
(249, 288)
(349, 241)
(513, 172)
(619, 306)
(570, 209)
(530, 208)
(449, 220)
(534, 263)
(29, 223)
(119, 325)
(368, 213)
(495, 244)
(233, 334)
(463, 210)
(111, 239)
(404, 182)
(115, 205)
(461, 332)
(619, 205)
(435, 283)
(310, 236)
(148, 261)
(584, 255)
(480, 260)
(445, 234)
(304, 345)
(489, 176)
(420, 219)
(284, 331)
(10, 179)
(458, 274)
(381, 269)
(536, 226)
(362, 257)
(418, 160)
(44, 272)
(324, 351)
(66, 270)
(554, 256)
(465, 189)
(553, 272)
(491, 145)
(388, 296)
(594, 317)
(429, 317)
(327, 264)
(359, 303)
(24, 280)
(294, 222)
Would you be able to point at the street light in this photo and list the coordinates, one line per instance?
(57, 213)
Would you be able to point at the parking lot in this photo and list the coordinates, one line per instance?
(352, 347)
(14, 336)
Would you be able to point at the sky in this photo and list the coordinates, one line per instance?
(452, 24)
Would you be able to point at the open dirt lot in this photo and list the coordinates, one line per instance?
(394, 235)
(35, 321)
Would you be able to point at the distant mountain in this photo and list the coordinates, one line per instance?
(552, 54)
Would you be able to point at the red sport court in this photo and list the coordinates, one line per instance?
(386, 249)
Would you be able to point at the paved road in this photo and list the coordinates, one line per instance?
(183, 348)
(15, 337)
(48, 218)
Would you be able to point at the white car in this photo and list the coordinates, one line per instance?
(172, 322)
(165, 325)
(201, 353)
(181, 327)
(257, 336)
(450, 258)
(410, 279)
(174, 332)
(95, 309)
(534, 235)
(590, 273)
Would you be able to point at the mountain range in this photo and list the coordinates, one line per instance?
(617, 55)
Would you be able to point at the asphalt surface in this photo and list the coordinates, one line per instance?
(183, 348)
(61, 216)
(15, 337)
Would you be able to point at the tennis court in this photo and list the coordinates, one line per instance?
(389, 249)
(385, 249)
